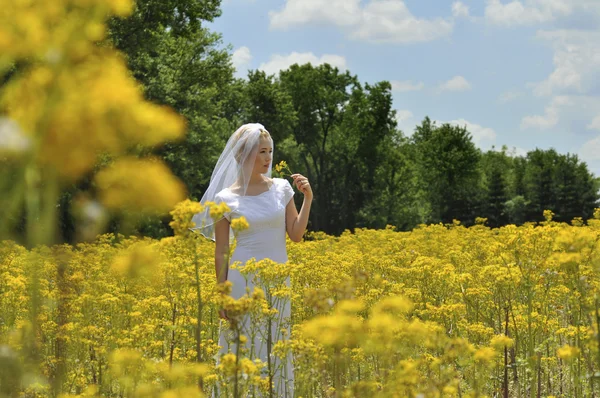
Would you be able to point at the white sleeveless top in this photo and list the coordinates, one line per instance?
(265, 213)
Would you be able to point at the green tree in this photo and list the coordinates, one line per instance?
(269, 104)
(181, 64)
(395, 200)
(589, 198)
(539, 182)
(560, 183)
(516, 210)
(319, 95)
(496, 169)
(358, 147)
(496, 199)
(448, 164)
(266, 102)
(517, 184)
(138, 35)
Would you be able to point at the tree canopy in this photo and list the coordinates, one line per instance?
(339, 131)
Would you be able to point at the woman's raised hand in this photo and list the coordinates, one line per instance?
(303, 185)
(223, 314)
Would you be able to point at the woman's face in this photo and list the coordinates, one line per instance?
(264, 156)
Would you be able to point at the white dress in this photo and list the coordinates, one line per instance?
(265, 238)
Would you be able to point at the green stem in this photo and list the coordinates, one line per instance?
(32, 203)
(237, 362)
(198, 317)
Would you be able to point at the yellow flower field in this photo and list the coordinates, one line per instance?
(439, 311)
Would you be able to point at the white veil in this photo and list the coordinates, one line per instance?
(233, 170)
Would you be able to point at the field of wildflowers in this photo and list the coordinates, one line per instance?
(439, 311)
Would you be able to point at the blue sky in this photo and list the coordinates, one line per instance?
(521, 73)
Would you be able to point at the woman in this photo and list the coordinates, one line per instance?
(242, 179)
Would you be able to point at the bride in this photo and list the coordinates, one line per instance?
(242, 180)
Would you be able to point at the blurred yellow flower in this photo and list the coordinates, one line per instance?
(568, 352)
(140, 259)
(485, 355)
(95, 108)
(500, 341)
(145, 186)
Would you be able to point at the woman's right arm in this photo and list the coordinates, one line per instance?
(222, 249)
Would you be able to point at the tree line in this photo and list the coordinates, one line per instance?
(338, 131)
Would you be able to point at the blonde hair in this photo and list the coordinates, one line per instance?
(240, 138)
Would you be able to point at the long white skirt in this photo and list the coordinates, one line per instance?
(259, 344)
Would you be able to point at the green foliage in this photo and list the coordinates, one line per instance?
(559, 183)
(448, 164)
(183, 65)
(337, 131)
(516, 209)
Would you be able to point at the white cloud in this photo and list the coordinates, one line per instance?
(402, 115)
(390, 21)
(457, 83)
(460, 10)
(238, 1)
(302, 12)
(518, 151)
(512, 150)
(381, 21)
(510, 96)
(574, 85)
(590, 151)
(482, 136)
(550, 117)
(595, 124)
(576, 62)
(279, 62)
(405, 120)
(241, 59)
(526, 12)
(406, 85)
(509, 13)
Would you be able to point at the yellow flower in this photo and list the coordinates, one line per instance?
(218, 210)
(577, 222)
(239, 224)
(97, 97)
(121, 8)
(258, 294)
(398, 306)
(568, 353)
(282, 169)
(182, 216)
(189, 391)
(500, 341)
(548, 215)
(227, 364)
(144, 186)
(140, 259)
(485, 355)
(480, 220)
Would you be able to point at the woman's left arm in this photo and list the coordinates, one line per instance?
(296, 223)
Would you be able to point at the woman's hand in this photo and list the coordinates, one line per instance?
(303, 185)
(223, 314)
